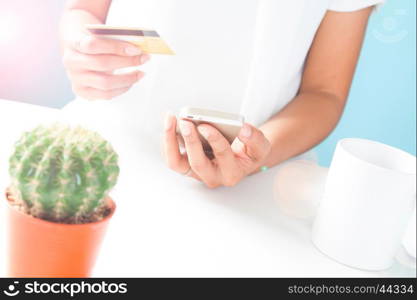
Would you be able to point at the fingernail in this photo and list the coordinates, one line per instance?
(246, 131)
(169, 120)
(204, 132)
(238, 146)
(185, 128)
(144, 58)
(132, 51)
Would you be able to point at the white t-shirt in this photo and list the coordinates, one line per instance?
(240, 56)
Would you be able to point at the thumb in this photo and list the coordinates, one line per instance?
(256, 145)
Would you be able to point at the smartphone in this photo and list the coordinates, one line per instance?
(228, 124)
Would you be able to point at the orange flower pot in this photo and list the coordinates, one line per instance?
(38, 248)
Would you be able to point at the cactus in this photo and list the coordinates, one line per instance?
(63, 174)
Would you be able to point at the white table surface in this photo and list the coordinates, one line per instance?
(170, 225)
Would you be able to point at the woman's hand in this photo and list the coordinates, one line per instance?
(90, 62)
(231, 163)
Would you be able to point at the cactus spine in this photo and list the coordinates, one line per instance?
(62, 174)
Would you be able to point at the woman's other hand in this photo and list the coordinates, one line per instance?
(231, 163)
(90, 62)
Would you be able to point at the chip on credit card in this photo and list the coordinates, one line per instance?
(147, 40)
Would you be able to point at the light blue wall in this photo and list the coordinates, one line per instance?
(382, 103)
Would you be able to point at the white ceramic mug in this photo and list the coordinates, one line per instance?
(367, 204)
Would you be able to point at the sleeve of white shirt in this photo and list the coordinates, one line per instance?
(352, 5)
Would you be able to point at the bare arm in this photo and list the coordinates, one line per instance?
(98, 9)
(80, 12)
(319, 105)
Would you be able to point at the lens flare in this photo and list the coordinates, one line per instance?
(9, 28)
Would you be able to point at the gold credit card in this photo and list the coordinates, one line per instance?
(147, 40)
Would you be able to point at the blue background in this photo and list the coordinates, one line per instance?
(382, 103)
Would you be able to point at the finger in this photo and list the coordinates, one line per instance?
(226, 161)
(106, 81)
(94, 45)
(175, 160)
(95, 94)
(239, 149)
(256, 144)
(197, 159)
(100, 62)
(173, 157)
